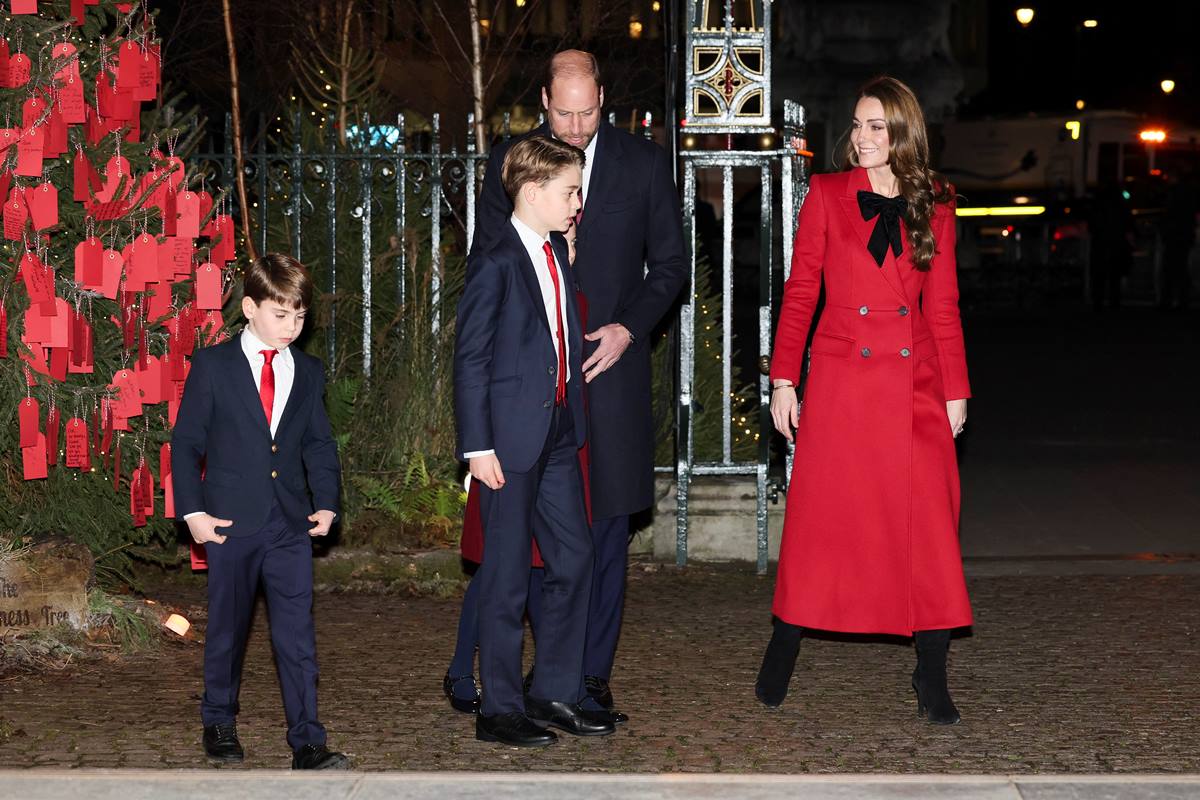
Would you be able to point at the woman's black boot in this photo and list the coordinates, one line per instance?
(778, 662)
(929, 678)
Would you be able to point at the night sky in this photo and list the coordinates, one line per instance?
(1116, 65)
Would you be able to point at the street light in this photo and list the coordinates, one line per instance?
(1168, 86)
(1024, 16)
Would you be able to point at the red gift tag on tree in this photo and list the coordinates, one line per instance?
(19, 69)
(143, 258)
(87, 180)
(56, 134)
(8, 138)
(32, 111)
(158, 301)
(39, 281)
(43, 206)
(24, 6)
(29, 417)
(126, 399)
(53, 423)
(137, 508)
(3, 331)
(147, 77)
(15, 216)
(71, 102)
(187, 215)
(78, 452)
(59, 361)
(208, 286)
(89, 269)
(29, 152)
(112, 263)
(33, 460)
(149, 381)
(116, 180)
(127, 68)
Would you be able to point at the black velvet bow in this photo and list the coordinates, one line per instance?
(887, 227)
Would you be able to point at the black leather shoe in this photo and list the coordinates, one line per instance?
(569, 717)
(459, 703)
(779, 661)
(318, 756)
(929, 678)
(221, 742)
(616, 717)
(598, 689)
(513, 728)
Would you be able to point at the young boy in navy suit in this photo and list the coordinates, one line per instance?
(256, 475)
(518, 400)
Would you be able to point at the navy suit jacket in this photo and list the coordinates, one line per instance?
(221, 422)
(505, 364)
(630, 264)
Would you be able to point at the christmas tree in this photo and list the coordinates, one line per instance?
(116, 269)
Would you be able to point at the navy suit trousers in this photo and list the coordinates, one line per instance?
(546, 502)
(279, 558)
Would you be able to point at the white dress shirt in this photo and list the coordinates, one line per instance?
(534, 247)
(284, 366)
(590, 152)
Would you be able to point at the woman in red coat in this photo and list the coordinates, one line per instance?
(870, 539)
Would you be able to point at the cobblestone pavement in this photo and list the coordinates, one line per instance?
(1066, 673)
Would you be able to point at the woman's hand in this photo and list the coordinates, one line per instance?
(956, 410)
(785, 409)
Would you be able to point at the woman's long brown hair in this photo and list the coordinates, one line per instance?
(909, 160)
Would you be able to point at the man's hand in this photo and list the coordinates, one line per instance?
(614, 340)
(324, 520)
(203, 528)
(487, 469)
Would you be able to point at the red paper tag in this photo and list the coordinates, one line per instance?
(28, 413)
(53, 423)
(187, 215)
(87, 180)
(208, 286)
(168, 487)
(142, 259)
(136, 507)
(59, 359)
(199, 557)
(127, 69)
(112, 263)
(24, 6)
(33, 459)
(147, 77)
(43, 206)
(15, 215)
(56, 134)
(146, 484)
(19, 68)
(39, 281)
(116, 177)
(89, 270)
(127, 400)
(8, 137)
(29, 152)
(77, 12)
(31, 112)
(3, 331)
(71, 102)
(76, 439)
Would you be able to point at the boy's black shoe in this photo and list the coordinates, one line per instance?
(318, 756)
(513, 728)
(221, 742)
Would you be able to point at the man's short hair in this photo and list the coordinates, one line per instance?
(278, 277)
(537, 159)
(572, 64)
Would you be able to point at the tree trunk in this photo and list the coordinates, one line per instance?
(236, 105)
(344, 75)
(477, 79)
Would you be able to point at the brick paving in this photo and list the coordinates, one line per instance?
(1077, 673)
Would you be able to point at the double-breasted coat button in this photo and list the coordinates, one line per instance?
(274, 448)
(904, 311)
(863, 310)
(546, 404)
(905, 352)
(550, 370)
(274, 473)
(866, 352)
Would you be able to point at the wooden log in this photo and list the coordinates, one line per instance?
(45, 585)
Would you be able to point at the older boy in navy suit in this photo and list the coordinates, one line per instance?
(518, 400)
(252, 413)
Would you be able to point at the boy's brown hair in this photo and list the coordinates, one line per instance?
(278, 277)
(537, 159)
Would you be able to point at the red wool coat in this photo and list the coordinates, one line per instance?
(870, 538)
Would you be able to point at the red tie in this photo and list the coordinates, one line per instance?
(560, 390)
(266, 387)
